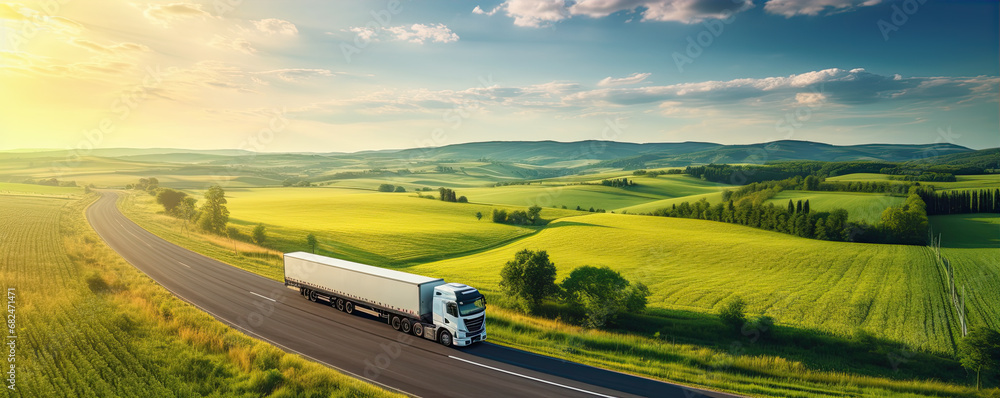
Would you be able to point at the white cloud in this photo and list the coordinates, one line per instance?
(238, 44)
(297, 74)
(273, 26)
(685, 11)
(416, 33)
(621, 81)
(791, 8)
(540, 13)
(103, 49)
(166, 13)
(536, 13)
(480, 11)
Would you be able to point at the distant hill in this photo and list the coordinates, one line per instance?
(559, 154)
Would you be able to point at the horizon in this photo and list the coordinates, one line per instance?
(37, 150)
(367, 75)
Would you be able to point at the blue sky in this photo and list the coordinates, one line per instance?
(347, 76)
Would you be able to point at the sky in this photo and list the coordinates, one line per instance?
(345, 76)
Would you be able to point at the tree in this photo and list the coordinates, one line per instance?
(259, 234)
(603, 293)
(805, 206)
(529, 278)
(479, 215)
(979, 350)
(733, 313)
(214, 214)
(187, 211)
(311, 242)
(170, 199)
(791, 207)
(399, 188)
(463, 199)
(386, 188)
(533, 213)
(499, 216)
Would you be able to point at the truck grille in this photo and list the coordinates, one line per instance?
(474, 324)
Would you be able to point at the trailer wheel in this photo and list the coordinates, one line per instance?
(349, 307)
(313, 296)
(302, 291)
(405, 327)
(340, 304)
(445, 338)
(418, 329)
(396, 322)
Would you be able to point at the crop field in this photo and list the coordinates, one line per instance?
(90, 325)
(972, 243)
(866, 207)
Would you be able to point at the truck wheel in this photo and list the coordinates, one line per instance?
(349, 307)
(405, 327)
(302, 291)
(340, 304)
(418, 329)
(396, 322)
(313, 296)
(445, 338)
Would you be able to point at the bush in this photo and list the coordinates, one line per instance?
(733, 313)
(399, 188)
(499, 216)
(463, 199)
(259, 234)
(386, 188)
(603, 294)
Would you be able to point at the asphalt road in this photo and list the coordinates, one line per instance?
(358, 345)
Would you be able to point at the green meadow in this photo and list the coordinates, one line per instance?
(860, 206)
(964, 182)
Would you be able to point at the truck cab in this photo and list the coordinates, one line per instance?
(459, 310)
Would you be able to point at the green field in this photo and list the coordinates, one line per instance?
(90, 325)
(964, 182)
(866, 207)
(691, 266)
(972, 243)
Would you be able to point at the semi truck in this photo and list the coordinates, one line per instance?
(449, 313)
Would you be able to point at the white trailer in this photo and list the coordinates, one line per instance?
(450, 313)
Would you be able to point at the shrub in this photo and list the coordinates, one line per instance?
(733, 313)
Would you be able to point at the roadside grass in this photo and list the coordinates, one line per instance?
(866, 207)
(90, 325)
(838, 302)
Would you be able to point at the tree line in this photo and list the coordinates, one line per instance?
(517, 217)
(905, 224)
(618, 183)
(961, 202)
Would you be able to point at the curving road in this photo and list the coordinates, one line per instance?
(360, 347)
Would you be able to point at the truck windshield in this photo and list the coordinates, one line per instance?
(472, 307)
